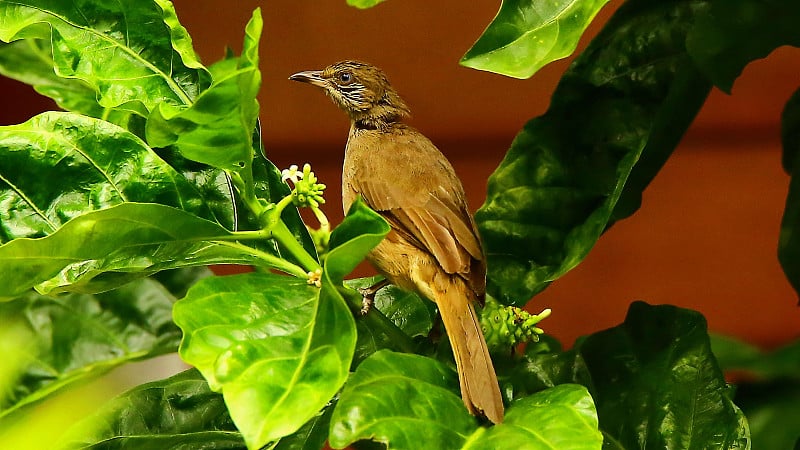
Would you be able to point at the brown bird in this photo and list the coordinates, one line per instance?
(433, 246)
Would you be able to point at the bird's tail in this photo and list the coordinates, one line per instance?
(479, 387)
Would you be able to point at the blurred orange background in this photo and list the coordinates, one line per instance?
(705, 237)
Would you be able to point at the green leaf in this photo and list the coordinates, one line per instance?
(730, 34)
(134, 54)
(179, 412)
(789, 239)
(562, 417)
(30, 61)
(364, 4)
(312, 435)
(277, 348)
(270, 344)
(411, 313)
(526, 35)
(392, 393)
(120, 243)
(556, 190)
(657, 384)
(79, 336)
(217, 128)
(57, 166)
(537, 370)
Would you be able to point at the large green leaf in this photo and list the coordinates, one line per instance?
(117, 244)
(562, 417)
(133, 53)
(556, 189)
(30, 61)
(274, 349)
(529, 34)
(179, 412)
(789, 240)
(732, 33)
(57, 166)
(217, 128)
(657, 384)
(78, 336)
(393, 393)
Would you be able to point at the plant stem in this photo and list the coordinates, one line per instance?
(285, 238)
(271, 260)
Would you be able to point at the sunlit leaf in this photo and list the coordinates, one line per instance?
(30, 61)
(217, 128)
(561, 417)
(529, 34)
(113, 245)
(133, 53)
(556, 190)
(392, 393)
(68, 336)
(268, 343)
(57, 166)
(276, 347)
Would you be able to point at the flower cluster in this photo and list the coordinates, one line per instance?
(307, 192)
(507, 326)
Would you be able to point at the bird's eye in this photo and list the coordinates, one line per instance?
(345, 77)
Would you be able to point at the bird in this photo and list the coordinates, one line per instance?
(433, 247)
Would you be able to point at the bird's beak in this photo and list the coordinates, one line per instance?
(309, 76)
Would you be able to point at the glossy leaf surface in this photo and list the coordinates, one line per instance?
(270, 345)
(556, 190)
(657, 384)
(68, 336)
(132, 53)
(562, 417)
(116, 244)
(179, 412)
(408, 311)
(217, 128)
(392, 393)
(57, 166)
(789, 239)
(30, 61)
(277, 348)
(529, 34)
(733, 33)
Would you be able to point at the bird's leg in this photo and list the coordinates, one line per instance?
(368, 295)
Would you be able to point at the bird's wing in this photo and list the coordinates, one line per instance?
(411, 184)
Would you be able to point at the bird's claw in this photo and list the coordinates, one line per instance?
(367, 300)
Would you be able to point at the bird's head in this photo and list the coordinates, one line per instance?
(360, 89)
